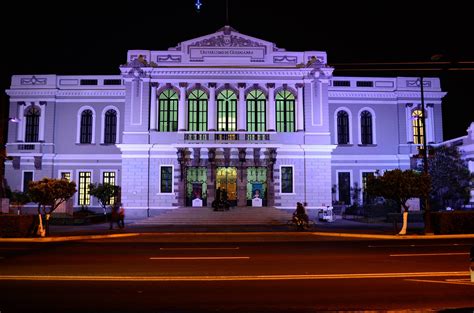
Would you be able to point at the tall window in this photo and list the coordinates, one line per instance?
(256, 111)
(166, 179)
(168, 111)
(109, 178)
(32, 124)
(197, 103)
(226, 111)
(110, 131)
(286, 179)
(27, 178)
(285, 111)
(417, 124)
(342, 128)
(344, 182)
(83, 190)
(365, 177)
(86, 127)
(366, 128)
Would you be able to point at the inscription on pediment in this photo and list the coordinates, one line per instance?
(226, 41)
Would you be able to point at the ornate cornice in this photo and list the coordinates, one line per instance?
(385, 95)
(91, 93)
(228, 72)
(31, 92)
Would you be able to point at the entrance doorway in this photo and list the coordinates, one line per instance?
(226, 178)
(257, 184)
(196, 185)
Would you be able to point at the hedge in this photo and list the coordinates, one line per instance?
(12, 225)
(454, 222)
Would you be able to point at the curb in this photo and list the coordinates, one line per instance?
(67, 238)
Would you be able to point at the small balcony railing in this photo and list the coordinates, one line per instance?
(227, 137)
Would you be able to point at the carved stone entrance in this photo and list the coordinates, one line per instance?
(226, 179)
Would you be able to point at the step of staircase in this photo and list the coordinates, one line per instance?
(207, 216)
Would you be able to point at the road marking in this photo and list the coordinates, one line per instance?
(223, 248)
(412, 246)
(201, 258)
(443, 282)
(431, 254)
(231, 278)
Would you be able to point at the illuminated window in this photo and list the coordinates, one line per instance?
(285, 111)
(109, 178)
(342, 128)
(166, 179)
(366, 128)
(86, 127)
(227, 110)
(32, 124)
(66, 176)
(286, 179)
(110, 133)
(256, 111)
(83, 190)
(197, 110)
(168, 111)
(417, 124)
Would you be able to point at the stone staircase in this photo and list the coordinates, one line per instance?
(206, 216)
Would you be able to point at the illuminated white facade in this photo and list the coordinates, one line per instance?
(224, 110)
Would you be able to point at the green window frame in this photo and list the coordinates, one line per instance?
(197, 110)
(83, 190)
(166, 179)
(227, 110)
(168, 111)
(285, 111)
(256, 113)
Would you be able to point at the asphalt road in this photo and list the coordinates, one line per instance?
(144, 275)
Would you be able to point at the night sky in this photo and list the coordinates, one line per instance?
(91, 37)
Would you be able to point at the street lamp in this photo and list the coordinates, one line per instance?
(242, 155)
(211, 157)
(181, 154)
(424, 151)
(272, 155)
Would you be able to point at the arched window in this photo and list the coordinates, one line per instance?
(86, 127)
(168, 111)
(110, 131)
(366, 136)
(342, 128)
(417, 124)
(256, 111)
(197, 110)
(226, 110)
(32, 116)
(285, 111)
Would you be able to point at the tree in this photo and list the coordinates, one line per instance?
(399, 186)
(104, 194)
(18, 199)
(49, 193)
(450, 178)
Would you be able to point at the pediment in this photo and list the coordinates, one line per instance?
(227, 37)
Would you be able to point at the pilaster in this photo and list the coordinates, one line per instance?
(271, 107)
(241, 110)
(299, 108)
(182, 107)
(211, 113)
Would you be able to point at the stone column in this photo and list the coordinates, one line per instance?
(21, 116)
(211, 185)
(408, 123)
(271, 107)
(42, 117)
(211, 110)
(299, 108)
(153, 106)
(182, 107)
(241, 109)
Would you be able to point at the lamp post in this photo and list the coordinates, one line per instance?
(181, 154)
(242, 155)
(424, 151)
(211, 156)
(272, 155)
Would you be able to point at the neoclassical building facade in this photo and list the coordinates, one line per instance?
(222, 111)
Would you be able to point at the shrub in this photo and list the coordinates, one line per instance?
(455, 222)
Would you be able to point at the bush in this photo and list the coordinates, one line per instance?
(12, 225)
(455, 222)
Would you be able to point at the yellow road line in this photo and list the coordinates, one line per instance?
(229, 278)
(442, 282)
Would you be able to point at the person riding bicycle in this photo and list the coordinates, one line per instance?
(300, 217)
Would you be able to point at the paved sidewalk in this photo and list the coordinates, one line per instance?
(338, 229)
